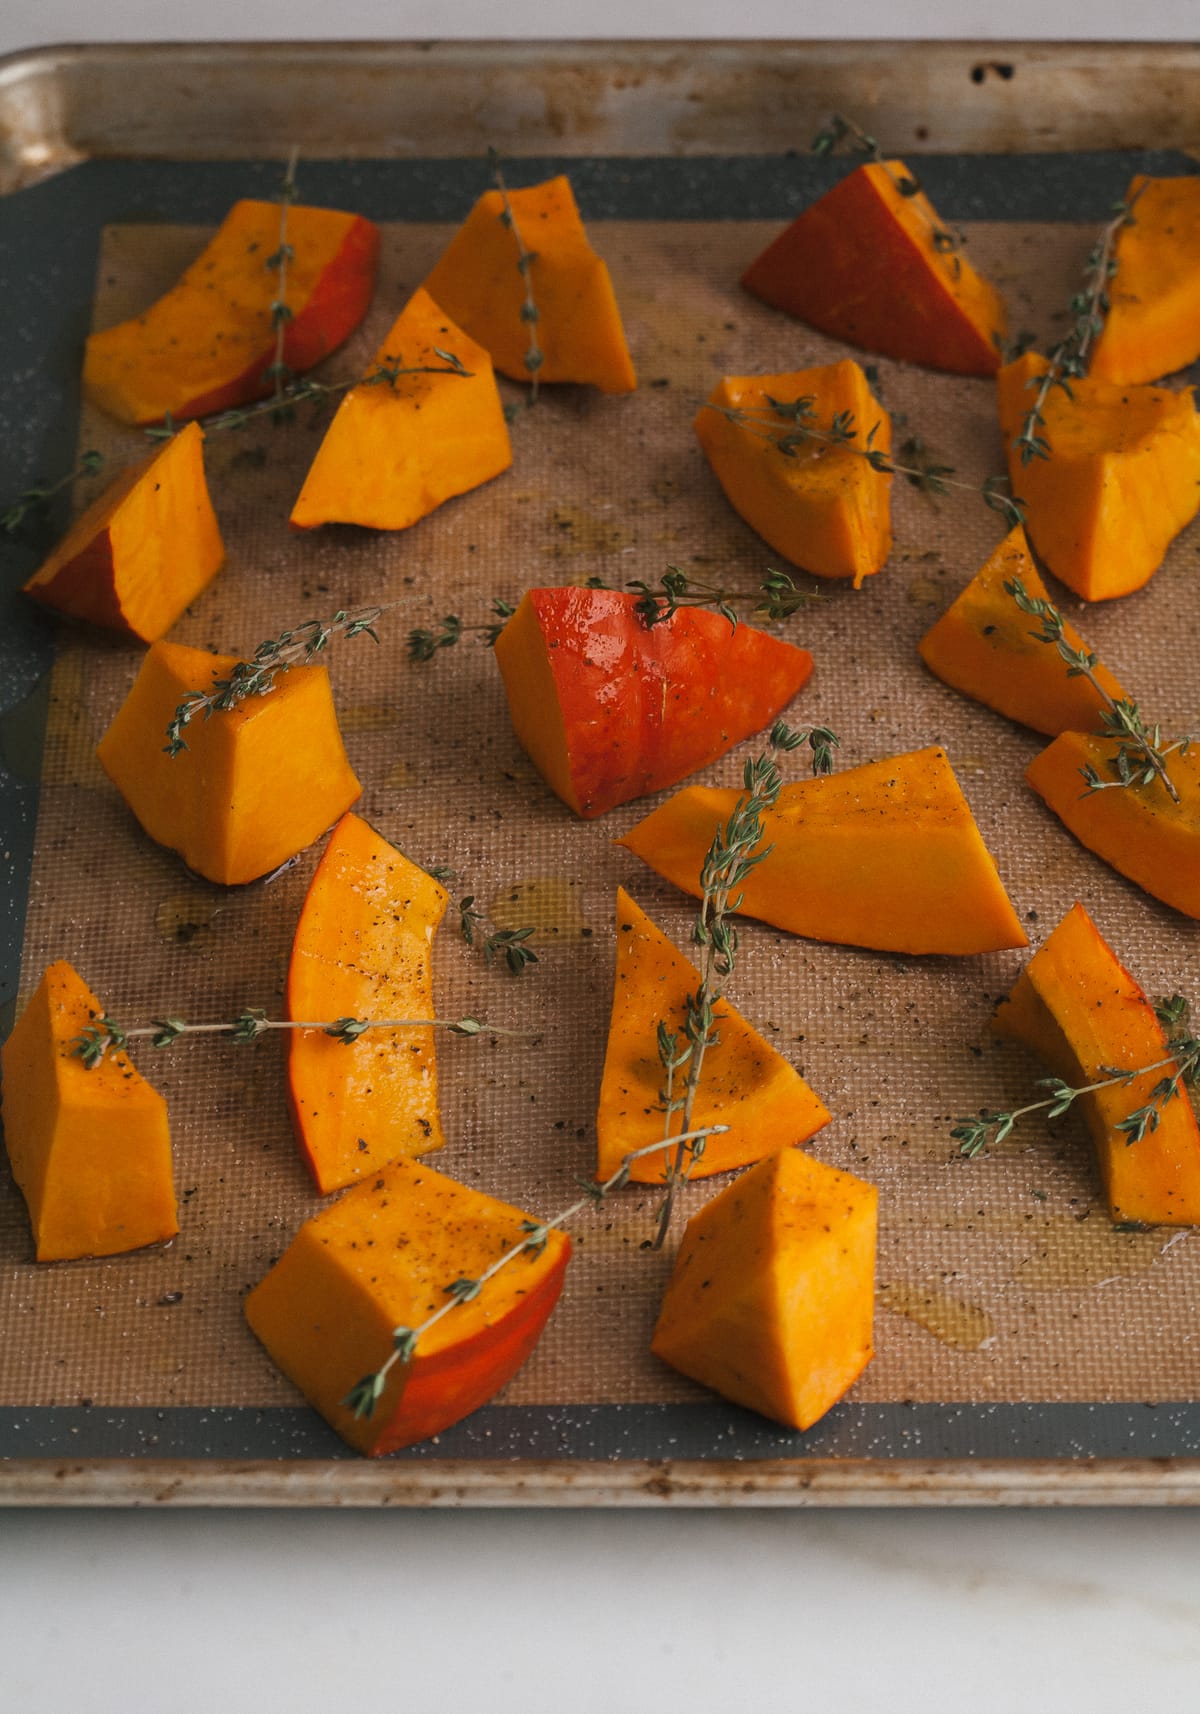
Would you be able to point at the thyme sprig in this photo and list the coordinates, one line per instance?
(776, 597)
(36, 500)
(255, 677)
(789, 424)
(736, 850)
(424, 643)
(279, 374)
(1068, 360)
(1141, 756)
(947, 241)
(366, 1394)
(93, 1042)
(1181, 1065)
(507, 943)
(530, 314)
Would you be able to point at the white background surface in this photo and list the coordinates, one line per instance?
(614, 1613)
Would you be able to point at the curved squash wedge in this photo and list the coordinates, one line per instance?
(1152, 327)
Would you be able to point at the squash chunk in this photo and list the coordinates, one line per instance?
(361, 950)
(746, 1084)
(1136, 829)
(209, 344)
(1082, 1013)
(254, 786)
(397, 449)
(1153, 323)
(143, 550)
(1121, 481)
(886, 855)
(771, 1302)
(480, 285)
(609, 708)
(863, 264)
(90, 1149)
(823, 507)
(984, 646)
(382, 1257)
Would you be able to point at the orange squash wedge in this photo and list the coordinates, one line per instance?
(382, 1256)
(1138, 830)
(746, 1085)
(865, 264)
(1152, 326)
(397, 449)
(984, 646)
(254, 786)
(822, 507)
(609, 708)
(772, 1298)
(1121, 481)
(143, 550)
(479, 283)
(361, 950)
(886, 855)
(1081, 1012)
(89, 1148)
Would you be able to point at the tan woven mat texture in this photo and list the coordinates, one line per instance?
(1000, 1278)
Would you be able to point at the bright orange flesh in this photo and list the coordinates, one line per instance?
(771, 1300)
(1153, 323)
(478, 283)
(1082, 1013)
(822, 507)
(396, 450)
(381, 1257)
(746, 1084)
(90, 1149)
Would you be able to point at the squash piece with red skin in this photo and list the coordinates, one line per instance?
(609, 707)
(772, 1298)
(985, 647)
(397, 449)
(746, 1084)
(209, 343)
(823, 507)
(886, 855)
(1138, 829)
(89, 1146)
(479, 283)
(362, 950)
(863, 264)
(1078, 1008)
(255, 784)
(381, 1257)
(143, 550)
(1121, 481)
(1152, 327)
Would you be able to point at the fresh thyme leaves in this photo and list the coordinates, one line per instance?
(789, 424)
(1068, 360)
(776, 597)
(737, 849)
(424, 643)
(1181, 1066)
(35, 500)
(530, 314)
(1141, 756)
(506, 943)
(257, 676)
(94, 1042)
(365, 1394)
(840, 131)
(279, 374)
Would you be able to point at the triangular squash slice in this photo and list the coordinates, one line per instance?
(871, 265)
(1152, 327)
(886, 855)
(745, 1083)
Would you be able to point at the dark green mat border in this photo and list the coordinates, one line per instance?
(49, 238)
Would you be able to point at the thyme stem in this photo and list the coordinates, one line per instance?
(281, 315)
(530, 314)
(946, 240)
(38, 498)
(94, 1042)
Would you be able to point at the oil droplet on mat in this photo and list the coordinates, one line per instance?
(962, 1325)
(1088, 1255)
(400, 776)
(548, 904)
(185, 919)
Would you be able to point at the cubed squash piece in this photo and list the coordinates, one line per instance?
(1152, 327)
(89, 1148)
(771, 1301)
(823, 507)
(256, 783)
(143, 550)
(397, 449)
(384, 1256)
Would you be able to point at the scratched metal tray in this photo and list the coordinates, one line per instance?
(656, 133)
